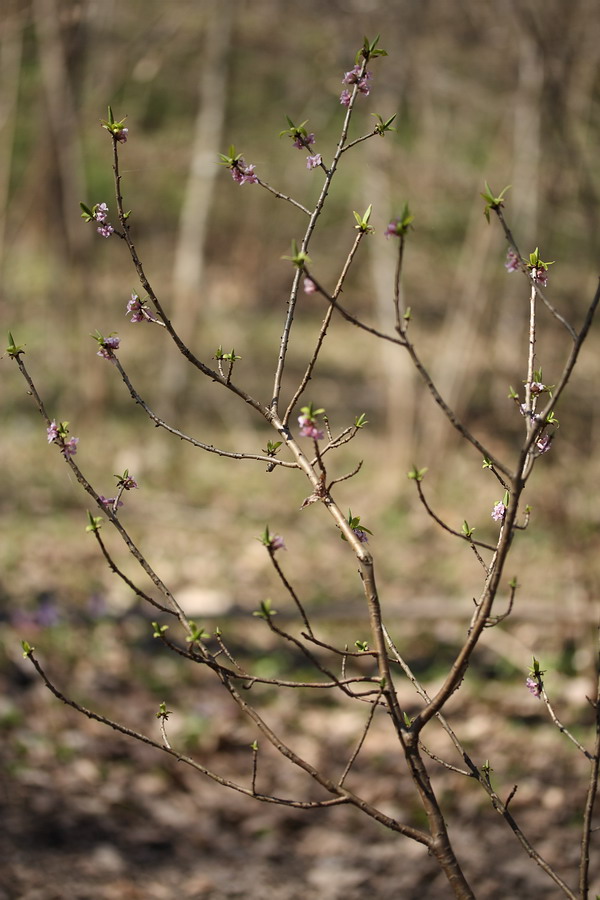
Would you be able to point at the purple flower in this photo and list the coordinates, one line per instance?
(543, 443)
(499, 511)
(128, 483)
(309, 286)
(121, 135)
(109, 502)
(392, 229)
(537, 387)
(107, 347)
(345, 98)
(70, 448)
(52, 431)
(243, 174)
(534, 686)
(313, 161)
(306, 142)
(101, 212)
(308, 428)
(138, 311)
(513, 263)
(539, 275)
(105, 230)
(277, 543)
(361, 535)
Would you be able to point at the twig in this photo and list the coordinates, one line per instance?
(144, 739)
(562, 728)
(114, 568)
(446, 527)
(270, 460)
(281, 196)
(361, 740)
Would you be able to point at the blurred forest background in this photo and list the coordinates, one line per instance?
(508, 92)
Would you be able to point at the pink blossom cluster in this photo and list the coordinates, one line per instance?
(539, 275)
(277, 543)
(513, 263)
(109, 502)
(534, 686)
(243, 174)
(312, 162)
(100, 215)
(56, 432)
(138, 311)
(308, 428)
(301, 143)
(309, 286)
(107, 348)
(499, 511)
(361, 81)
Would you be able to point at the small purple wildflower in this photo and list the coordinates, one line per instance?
(105, 230)
(361, 535)
(499, 511)
(345, 98)
(513, 263)
(101, 212)
(306, 142)
(543, 443)
(109, 502)
(534, 686)
(354, 77)
(392, 229)
(243, 174)
(309, 286)
(277, 543)
(70, 448)
(121, 135)
(128, 483)
(52, 431)
(313, 161)
(108, 346)
(539, 275)
(308, 428)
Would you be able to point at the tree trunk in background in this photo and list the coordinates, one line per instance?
(189, 263)
(11, 47)
(64, 125)
(396, 370)
(524, 194)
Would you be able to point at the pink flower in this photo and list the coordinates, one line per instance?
(513, 263)
(52, 432)
(243, 174)
(537, 387)
(392, 229)
(301, 144)
(105, 230)
(309, 286)
(345, 98)
(543, 443)
(101, 212)
(109, 502)
(277, 543)
(308, 428)
(499, 511)
(539, 275)
(70, 448)
(354, 77)
(313, 161)
(534, 686)
(108, 346)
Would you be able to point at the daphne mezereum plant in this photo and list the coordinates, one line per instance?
(304, 443)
